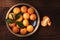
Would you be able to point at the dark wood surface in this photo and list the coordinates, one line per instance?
(50, 8)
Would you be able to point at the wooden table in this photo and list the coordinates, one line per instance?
(50, 8)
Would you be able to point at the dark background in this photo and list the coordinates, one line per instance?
(50, 8)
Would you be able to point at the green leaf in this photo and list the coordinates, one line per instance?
(12, 15)
(18, 15)
(20, 24)
(9, 21)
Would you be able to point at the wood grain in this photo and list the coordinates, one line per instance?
(50, 8)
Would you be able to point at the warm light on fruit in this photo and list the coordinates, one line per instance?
(43, 23)
(26, 15)
(30, 28)
(10, 16)
(11, 24)
(20, 19)
(49, 23)
(33, 17)
(15, 29)
(25, 22)
(30, 10)
(23, 31)
(46, 21)
(16, 10)
(24, 9)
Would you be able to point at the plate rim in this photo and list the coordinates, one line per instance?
(38, 23)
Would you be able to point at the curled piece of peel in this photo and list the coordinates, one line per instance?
(46, 21)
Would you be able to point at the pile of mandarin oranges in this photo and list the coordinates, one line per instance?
(24, 15)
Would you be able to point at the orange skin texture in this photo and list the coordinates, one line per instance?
(32, 17)
(25, 22)
(15, 29)
(12, 25)
(30, 10)
(24, 9)
(10, 16)
(30, 28)
(16, 10)
(20, 19)
(23, 31)
(26, 16)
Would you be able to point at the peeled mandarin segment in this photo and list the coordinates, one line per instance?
(46, 20)
(24, 9)
(30, 10)
(10, 16)
(30, 28)
(20, 19)
(46, 17)
(26, 15)
(15, 29)
(16, 10)
(33, 17)
(12, 25)
(25, 22)
(43, 23)
(49, 23)
(23, 31)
